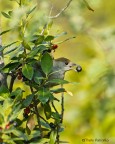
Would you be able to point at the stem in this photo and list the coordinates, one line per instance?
(13, 77)
(57, 137)
(62, 10)
(37, 113)
(62, 105)
(54, 108)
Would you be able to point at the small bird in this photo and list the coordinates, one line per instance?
(60, 67)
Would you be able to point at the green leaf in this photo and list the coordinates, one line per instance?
(2, 48)
(10, 66)
(5, 15)
(38, 39)
(41, 141)
(30, 11)
(10, 13)
(19, 134)
(56, 116)
(43, 95)
(28, 100)
(38, 79)
(88, 6)
(34, 134)
(3, 32)
(35, 51)
(59, 90)
(46, 63)
(49, 38)
(10, 51)
(17, 93)
(52, 137)
(47, 111)
(58, 81)
(27, 71)
(17, 109)
(4, 93)
(26, 45)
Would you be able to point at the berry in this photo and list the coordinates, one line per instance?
(27, 110)
(7, 126)
(19, 77)
(52, 125)
(54, 46)
(0, 128)
(78, 68)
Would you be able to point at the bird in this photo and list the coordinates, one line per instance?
(60, 67)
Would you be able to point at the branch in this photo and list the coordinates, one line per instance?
(62, 106)
(62, 10)
(37, 112)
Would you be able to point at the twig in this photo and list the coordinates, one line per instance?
(88, 6)
(37, 112)
(54, 107)
(62, 114)
(62, 105)
(62, 10)
(42, 32)
(13, 77)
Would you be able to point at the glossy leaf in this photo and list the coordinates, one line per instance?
(17, 93)
(59, 90)
(49, 38)
(19, 134)
(10, 66)
(43, 95)
(30, 11)
(28, 100)
(46, 63)
(5, 15)
(4, 93)
(47, 111)
(58, 81)
(52, 137)
(10, 51)
(27, 71)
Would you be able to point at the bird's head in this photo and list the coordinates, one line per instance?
(65, 64)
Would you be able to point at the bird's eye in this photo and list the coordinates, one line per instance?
(66, 63)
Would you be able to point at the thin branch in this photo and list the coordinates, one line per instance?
(13, 77)
(37, 112)
(45, 26)
(62, 10)
(62, 105)
(54, 107)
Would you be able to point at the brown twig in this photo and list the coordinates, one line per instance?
(54, 107)
(37, 112)
(62, 105)
(62, 10)
(13, 77)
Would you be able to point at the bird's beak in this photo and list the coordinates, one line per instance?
(75, 67)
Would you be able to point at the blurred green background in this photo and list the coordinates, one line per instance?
(90, 112)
